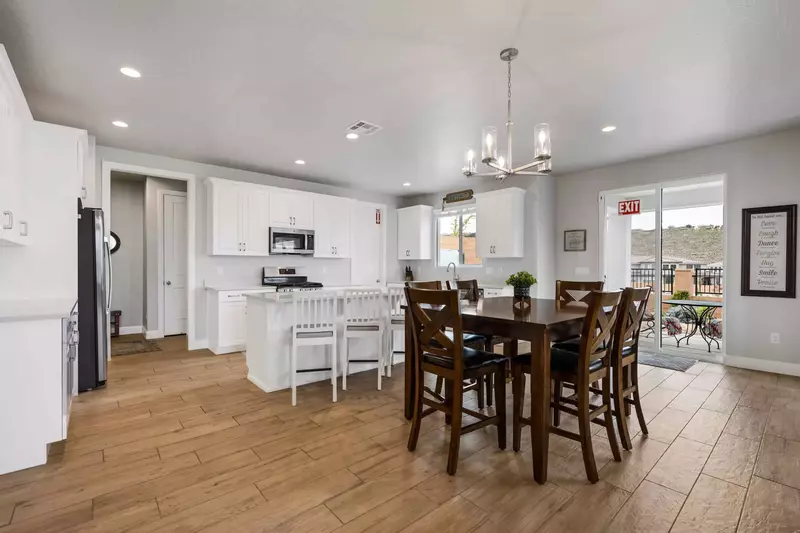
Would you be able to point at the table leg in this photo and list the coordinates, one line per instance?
(695, 319)
(540, 406)
(410, 373)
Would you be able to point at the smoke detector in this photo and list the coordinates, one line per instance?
(362, 127)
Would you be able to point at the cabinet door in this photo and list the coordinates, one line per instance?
(11, 179)
(485, 226)
(324, 234)
(303, 210)
(232, 323)
(341, 227)
(405, 234)
(280, 208)
(226, 215)
(254, 202)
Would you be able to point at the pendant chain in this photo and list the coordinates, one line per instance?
(509, 92)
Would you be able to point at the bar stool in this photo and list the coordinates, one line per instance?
(396, 321)
(315, 320)
(363, 318)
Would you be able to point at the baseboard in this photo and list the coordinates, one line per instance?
(257, 382)
(198, 344)
(130, 330)
(763, 365)
(153, 334)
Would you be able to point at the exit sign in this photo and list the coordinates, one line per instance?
(629, 207)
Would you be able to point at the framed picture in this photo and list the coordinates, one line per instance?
(575, 240)
(769, 251)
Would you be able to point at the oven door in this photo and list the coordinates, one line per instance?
(290, 241)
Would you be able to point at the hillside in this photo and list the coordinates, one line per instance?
(700, 243)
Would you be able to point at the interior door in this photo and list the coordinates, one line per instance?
(175, 304)
(366, 245)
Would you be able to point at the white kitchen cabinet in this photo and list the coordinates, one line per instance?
(14, 118)
(227, 319)
(500, 223)
(238, 218)
(291, 209)
(414, 232)
(332, 223)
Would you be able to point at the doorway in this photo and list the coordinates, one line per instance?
(670, 236)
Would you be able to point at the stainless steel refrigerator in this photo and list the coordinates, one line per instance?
(94, 298)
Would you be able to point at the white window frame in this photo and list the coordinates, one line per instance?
(458, 211)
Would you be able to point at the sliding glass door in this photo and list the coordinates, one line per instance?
(669, 236)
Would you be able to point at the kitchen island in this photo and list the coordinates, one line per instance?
(270, 317)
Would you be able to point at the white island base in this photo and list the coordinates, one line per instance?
(269, 345)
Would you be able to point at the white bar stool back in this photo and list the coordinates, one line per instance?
(365, 317)
(315, 318)
(396, 322)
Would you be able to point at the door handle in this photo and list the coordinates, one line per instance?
(169, 283)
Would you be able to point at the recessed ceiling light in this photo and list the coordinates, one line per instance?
(352, 136)
(131, 72)
(407, 184)
(120, 124)
(609, 129)
(299, 162)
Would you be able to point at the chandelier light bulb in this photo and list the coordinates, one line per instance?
(541, 133)
(489, 148)
(501, 161)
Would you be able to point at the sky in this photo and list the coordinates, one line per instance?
(695, 216)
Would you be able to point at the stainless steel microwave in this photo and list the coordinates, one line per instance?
(291, 241)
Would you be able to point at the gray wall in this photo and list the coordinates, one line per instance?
(761, 171)
(127, 221)
(247, 270)
(539, 237)
(151, 192)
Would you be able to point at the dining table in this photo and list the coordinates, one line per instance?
(536, 320)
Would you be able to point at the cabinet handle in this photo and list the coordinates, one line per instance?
(25, 232)
(336, 250)
(84, 193)
(10, 221)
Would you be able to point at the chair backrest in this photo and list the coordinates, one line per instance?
(598, 328)
(566, 290)
(632, 310)
(428, 329)
(363, 306)
(396, 299)
(315, 310)
(427, 285)
(470, 286)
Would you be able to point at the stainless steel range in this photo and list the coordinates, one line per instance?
(290, 283)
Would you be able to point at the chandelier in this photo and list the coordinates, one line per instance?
(502, 166)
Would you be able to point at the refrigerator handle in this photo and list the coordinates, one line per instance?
(110, 276)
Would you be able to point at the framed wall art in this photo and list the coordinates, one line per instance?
(575, 240)
(769, 251)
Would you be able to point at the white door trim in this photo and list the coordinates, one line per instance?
(160, 255)
(191, 201)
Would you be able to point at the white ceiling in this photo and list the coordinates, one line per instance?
(256, 85)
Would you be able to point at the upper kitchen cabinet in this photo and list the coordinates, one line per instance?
(414, 232)
(238, 218)
(332, 223)
(291, 209)
(14, 118)
(500, 223)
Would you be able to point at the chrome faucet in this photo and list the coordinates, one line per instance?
(455, 275)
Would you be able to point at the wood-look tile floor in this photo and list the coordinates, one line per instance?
(181, 441)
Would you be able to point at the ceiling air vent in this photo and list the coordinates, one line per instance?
(362, 127)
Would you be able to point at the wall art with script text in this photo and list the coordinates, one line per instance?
(769, 251)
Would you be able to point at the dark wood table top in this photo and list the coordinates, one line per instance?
(543, 312)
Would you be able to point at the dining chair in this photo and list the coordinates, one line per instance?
(471, 291)
(590, 363)
(472, 340)
(448, 358)
(576, 291)
(363, 318)
(625, 361)
(315, 318)
(396, 321)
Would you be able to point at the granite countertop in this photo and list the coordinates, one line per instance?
(38, 309)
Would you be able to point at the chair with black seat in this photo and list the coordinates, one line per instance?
(448, 358)
(472, 340)
(625, 388)
(590, 363)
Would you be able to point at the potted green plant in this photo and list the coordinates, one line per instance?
(521, 281)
